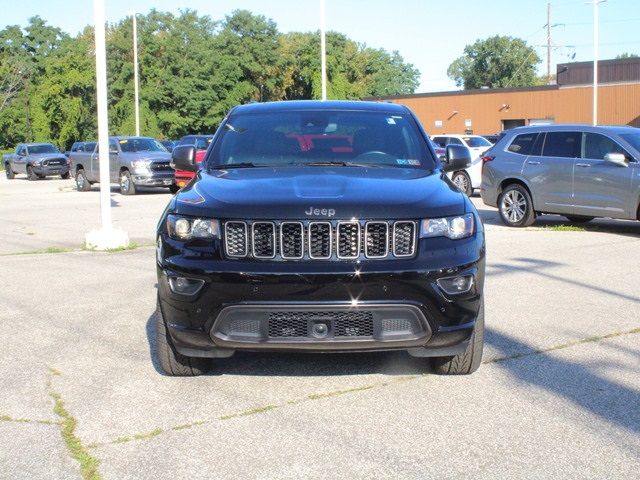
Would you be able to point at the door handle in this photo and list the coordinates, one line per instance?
(583, 165)
(533, 162)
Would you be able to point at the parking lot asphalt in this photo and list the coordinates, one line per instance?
(556, 397)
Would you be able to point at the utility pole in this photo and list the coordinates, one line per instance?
(548, 43)
(135, 73)
(107, 237)
(323, 51)
(596, 40)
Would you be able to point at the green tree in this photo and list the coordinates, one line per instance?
(621, 56)
(496, 62)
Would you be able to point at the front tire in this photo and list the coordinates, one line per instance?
(9, 172)
(462, 180)
(578, 219)
(65, 176)
(516, 207)
(31, 175)
(171, 361)
(82, 183)
(468, 361)
(126, 183)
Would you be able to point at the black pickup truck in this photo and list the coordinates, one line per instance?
(320, 226)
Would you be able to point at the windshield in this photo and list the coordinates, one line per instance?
(320, 137)
(35, 149)
(477, 142)
(131, 145)
(633, 139)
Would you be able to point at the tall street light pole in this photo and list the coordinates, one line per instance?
(596, 40)
(323, 51)
(136, 85)
(107, 237)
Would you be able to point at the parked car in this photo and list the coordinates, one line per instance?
(469, 179)
(493, 139)
(36, 160)
(133, 162)
(168, 144)
(578, 171)
(201, 143)
(356, 242)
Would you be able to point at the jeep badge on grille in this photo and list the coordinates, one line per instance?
(320, 212)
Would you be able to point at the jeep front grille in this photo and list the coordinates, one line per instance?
(320, 240)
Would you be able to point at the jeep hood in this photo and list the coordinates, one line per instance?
(352, 192)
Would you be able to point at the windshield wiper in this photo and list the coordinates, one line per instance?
(322, 164)
(235, 165)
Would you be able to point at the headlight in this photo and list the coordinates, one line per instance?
(140, 164)
(452, 227)
(186, 228)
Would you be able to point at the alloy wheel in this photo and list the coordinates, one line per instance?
(514, 206)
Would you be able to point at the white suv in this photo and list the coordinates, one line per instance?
(470, 178)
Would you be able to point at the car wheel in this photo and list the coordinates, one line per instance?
(171, 361)
(126, 183)
(42, 177)
(516, 207)
(65, 176)
(468, 361)
(463, 182)
(82, 184)
(579, 219)
(174, 188)
(31, 174)
(9, 172)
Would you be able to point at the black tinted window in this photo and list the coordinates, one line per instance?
(562, 144)
(523, 144)
(302, 137)
(440, 141)
(596, 146)
(454, 141)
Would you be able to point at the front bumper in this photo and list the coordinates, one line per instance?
(163, 179)
(51, 169)
(400, 299)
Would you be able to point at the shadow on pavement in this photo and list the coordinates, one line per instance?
(572, 381)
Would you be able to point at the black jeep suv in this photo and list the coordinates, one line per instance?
(320, 226)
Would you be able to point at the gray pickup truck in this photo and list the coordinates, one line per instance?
(36, 160)
(133, 162)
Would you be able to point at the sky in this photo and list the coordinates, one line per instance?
(429, 34)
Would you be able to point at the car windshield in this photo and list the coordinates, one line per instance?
(633, 139)
(477, 142)
(316, 138)
(35, 149)
(90, 146)
(131, 145)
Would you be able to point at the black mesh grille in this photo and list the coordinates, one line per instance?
(56, 161)
(288, 324)
(160, 167)
(292, 239)
(404, 239)
(348, 240)
(353, 324)
(376, 239)
(264, 245)
(342, 324)
(236, 239)
(320, 240)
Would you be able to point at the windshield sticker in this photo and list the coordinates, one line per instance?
(408, 161)
(391, 121)
(124, 141)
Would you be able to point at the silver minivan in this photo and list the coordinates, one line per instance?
(578, 171)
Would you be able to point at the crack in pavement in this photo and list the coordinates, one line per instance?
(318, 396)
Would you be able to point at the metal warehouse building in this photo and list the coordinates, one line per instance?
(487, 111)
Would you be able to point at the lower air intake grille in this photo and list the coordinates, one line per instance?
(353, 324)
(342, 324)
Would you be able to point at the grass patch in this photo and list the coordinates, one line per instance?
(131, 246)
(7, 418)
(565, 228)
(252, 411)
(88, 463)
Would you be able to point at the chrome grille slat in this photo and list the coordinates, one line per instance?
(320, 240)
(292, 240)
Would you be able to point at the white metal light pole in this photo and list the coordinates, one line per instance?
(136, 84)
(323, 51)
(107, 237)
(596, 40)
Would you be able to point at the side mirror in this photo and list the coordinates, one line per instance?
(617, 158)
(184, 158)
(457, 157)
